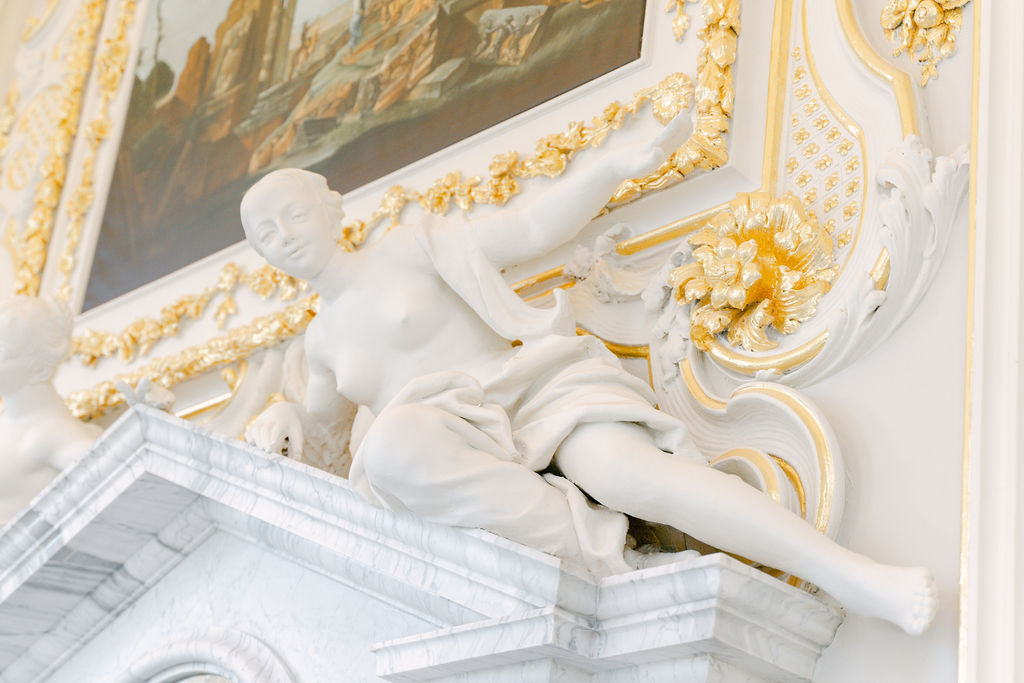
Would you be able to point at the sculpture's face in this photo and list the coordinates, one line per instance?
(288, 223)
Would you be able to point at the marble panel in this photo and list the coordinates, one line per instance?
(164, 531)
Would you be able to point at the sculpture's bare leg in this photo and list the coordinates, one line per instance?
(619, 466)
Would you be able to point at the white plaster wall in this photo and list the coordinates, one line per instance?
(898, 415)
(12, 18)
(318, 627)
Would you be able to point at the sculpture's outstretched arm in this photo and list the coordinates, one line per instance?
(517, 235)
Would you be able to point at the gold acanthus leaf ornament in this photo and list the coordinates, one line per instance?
(925, 29)
(761, 262)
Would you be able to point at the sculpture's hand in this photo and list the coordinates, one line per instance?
(146, 393)
(638, 161)
(278, 429)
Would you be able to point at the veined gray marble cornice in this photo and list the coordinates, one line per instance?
(154, 487)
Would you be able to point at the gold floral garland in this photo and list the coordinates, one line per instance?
(925, 29)
(680, 22)
(138, 338)
(237, 344)
(30, 246)
(552, 155)
(707, 147)
(110, 66)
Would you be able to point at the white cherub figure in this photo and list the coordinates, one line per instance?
(39, 434)
(491, 413)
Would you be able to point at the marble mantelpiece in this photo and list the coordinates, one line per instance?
(167, 549)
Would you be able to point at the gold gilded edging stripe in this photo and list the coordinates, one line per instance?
(777, 71)
(821, 443)
(539, 278)
(760, 461)
(880, 271)
(697, 391)
(794, 479)
(234, 378)
(898, 80)
(782, 362)
(827, 477)
(668, 232)
(965, 464)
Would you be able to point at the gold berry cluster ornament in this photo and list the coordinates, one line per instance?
(925, 29)
(761, 262)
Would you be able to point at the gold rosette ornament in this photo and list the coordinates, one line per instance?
(925, 29)
(760, 262)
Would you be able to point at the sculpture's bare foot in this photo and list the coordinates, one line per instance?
(905, 596)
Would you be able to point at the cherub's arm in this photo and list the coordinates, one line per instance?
(514, 236)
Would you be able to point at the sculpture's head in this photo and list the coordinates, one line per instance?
(293, 220)
(35, 337)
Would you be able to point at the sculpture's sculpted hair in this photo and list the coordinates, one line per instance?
(44, 325)
(312, 182)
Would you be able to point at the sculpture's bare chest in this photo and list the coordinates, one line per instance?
(408, 323)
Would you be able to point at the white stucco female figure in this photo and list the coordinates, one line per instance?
(419, 327)
(40, 437)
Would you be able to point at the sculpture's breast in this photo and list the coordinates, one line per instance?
(376, 341)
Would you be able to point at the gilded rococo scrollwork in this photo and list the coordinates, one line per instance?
(925, 29)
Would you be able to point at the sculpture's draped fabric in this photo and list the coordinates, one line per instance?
(521, 407)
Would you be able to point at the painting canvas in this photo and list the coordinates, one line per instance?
(228, 90)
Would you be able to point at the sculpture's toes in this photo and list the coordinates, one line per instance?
(924, 606)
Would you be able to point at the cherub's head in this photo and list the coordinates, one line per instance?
(293, 220)
(35, 337)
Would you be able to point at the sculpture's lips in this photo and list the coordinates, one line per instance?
(295, 250)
